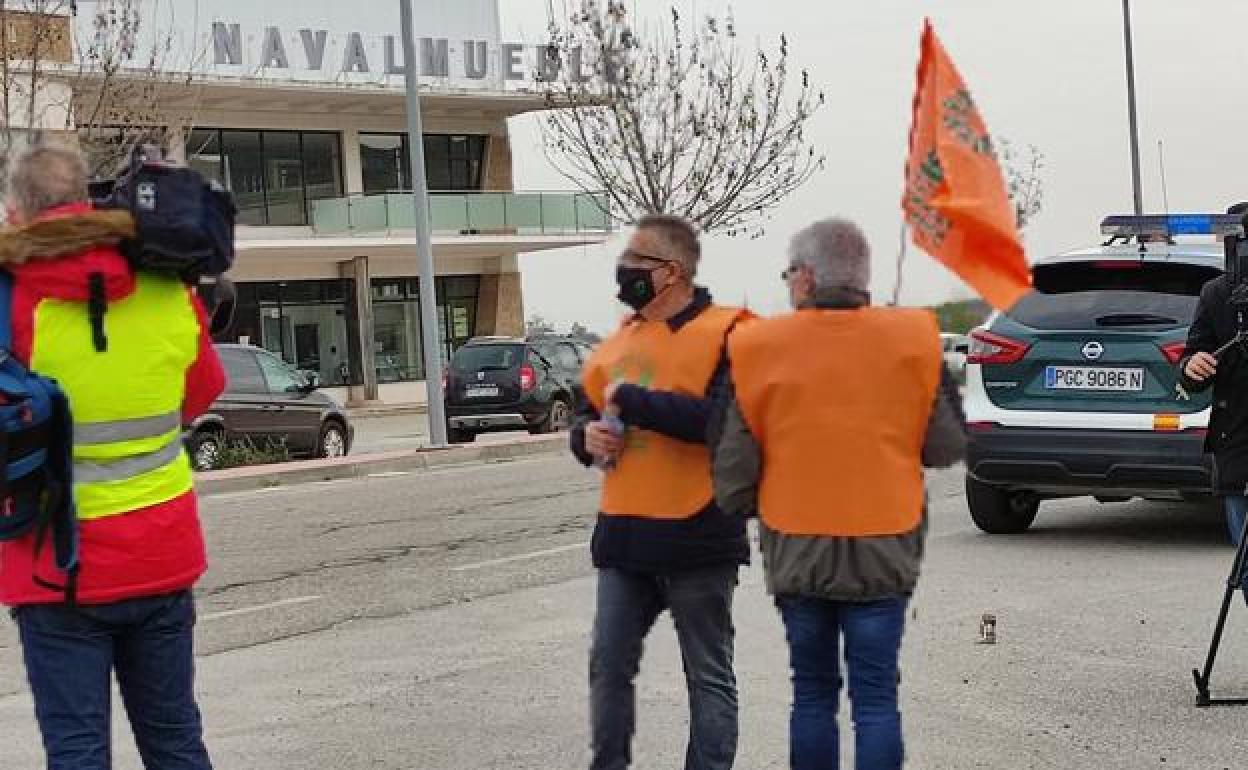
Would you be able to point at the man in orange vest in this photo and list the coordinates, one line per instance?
(830, 452)
(661, 542)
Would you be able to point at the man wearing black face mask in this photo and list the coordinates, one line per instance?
(660, 541)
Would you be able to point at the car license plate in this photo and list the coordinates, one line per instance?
(1093, 378)
(481, 391)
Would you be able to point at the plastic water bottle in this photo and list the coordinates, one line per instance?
(616, 426)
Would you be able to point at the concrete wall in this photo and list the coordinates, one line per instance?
(498, 171)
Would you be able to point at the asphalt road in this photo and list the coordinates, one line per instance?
(438, 621)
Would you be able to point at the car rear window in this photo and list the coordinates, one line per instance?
(477, 358)
(1113, 296)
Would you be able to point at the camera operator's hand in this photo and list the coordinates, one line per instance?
(1201, 367)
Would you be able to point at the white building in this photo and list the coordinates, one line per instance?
(299, 108)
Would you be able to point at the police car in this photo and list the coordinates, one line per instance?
(1073, 392)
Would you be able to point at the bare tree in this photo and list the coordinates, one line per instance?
(537, 325)
(107, 85)
(671, 122)
(1023, 180)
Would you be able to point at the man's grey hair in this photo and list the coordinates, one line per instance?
(680, 236)
(836, 252)
(45, 176)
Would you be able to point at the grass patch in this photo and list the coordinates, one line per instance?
(245, 453)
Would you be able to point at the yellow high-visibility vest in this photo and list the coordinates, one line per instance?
(126, 400)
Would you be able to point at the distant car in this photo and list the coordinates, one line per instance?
(955, 348)
(1073, 392)
(507, 383)
(266, 400)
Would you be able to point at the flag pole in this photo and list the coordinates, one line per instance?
(901, 261)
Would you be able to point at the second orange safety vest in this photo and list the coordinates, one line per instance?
(839, 401)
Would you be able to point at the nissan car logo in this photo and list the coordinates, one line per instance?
(1093, 351)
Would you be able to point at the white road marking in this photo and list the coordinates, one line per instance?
(519, 557)
(389, 474)
(261, 607)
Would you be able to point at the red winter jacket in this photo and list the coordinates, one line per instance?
(147, 552)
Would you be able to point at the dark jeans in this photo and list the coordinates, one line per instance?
(701, 605)
(1236, 510)
(70, 653)
(872, 632)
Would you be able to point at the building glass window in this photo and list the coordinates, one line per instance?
(452, 162)
(306, 323)
(283, 179)
(385, 163)
(203, 153)
(322, 166)
(274, 175)
(243, 174)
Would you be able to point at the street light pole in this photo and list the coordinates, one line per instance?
(430, 335)
(1135, 128)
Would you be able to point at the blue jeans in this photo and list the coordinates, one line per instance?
(71, 652)
(872, 632)
(701, 605)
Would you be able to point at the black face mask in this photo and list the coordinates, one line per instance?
(636, 286)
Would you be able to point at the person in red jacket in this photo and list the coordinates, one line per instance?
(133, 354)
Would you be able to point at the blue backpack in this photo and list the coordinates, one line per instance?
(36, 464)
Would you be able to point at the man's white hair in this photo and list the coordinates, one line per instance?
(836, 252)
(44, 176)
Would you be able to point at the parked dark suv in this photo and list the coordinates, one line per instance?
(266, 400)
(505, 383)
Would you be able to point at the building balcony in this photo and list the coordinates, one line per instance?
(468, 214)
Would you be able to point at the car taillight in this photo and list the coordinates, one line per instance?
(1173, 351)
(989, 348)
(528, 378)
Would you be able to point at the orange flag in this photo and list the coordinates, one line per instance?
(955, 200)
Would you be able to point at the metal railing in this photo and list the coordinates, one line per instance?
(467, 213)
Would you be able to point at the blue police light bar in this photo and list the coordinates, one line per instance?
(1165, 225)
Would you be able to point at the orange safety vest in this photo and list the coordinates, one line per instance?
(839, 401)
(659, 477)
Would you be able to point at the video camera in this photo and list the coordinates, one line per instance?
(184, 226)
(1236, 246)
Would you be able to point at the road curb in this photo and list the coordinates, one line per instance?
(292, 474)
(383, 411)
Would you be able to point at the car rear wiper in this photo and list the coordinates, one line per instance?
(495, 369)
(1134, 319)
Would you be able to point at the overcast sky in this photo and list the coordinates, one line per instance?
(1049, 74)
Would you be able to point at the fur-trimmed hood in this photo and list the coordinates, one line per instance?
(57, 253)
(64, 232)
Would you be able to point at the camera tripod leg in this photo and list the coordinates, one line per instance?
(1234, 582)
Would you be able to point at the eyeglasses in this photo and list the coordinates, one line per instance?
(634, 254)
(789, 272)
